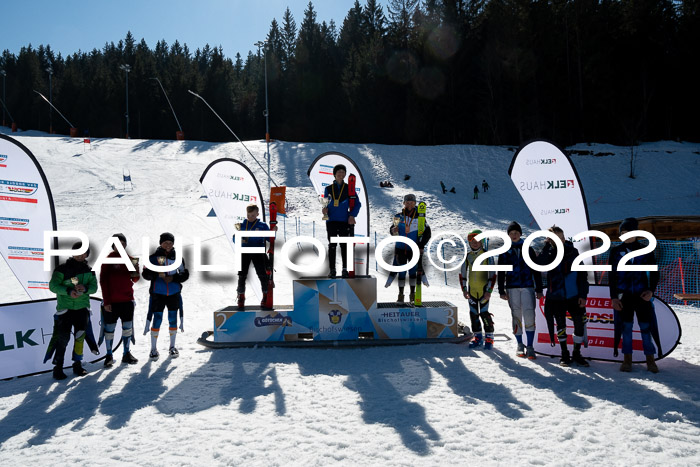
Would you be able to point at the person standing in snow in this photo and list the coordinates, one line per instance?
(340, 218)
(406, 225)
(165, 291)
(476, 192)
(520, 287)
(631, 293)
(476, 288)
(72, 282)
(484, 186)
(260, 260)
(567, 291)
(117, 284)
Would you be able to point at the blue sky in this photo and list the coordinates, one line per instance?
(72, 25)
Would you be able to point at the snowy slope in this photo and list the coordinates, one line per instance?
(430, 404)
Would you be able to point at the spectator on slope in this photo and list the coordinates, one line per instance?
(117, 284)
(477, 287)
(567, 291)
(165, 290)
(484, 186)
(631, 292)
(476, 192)
(72, 282)
(340, 218)
(520, 287)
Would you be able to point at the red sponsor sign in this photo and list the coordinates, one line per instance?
(20, 200)
(25, 258)
(14, 228)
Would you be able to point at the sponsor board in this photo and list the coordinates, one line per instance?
(25, 332)
(601, 329)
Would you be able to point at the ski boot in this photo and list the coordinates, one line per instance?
(154, 355)
(173, 352)
(579, 360)
(488, 343)
(530, 353)
(78, 369)
(401, 298)
(412, 298)
(109, 361)
(520, 352)
(58, 373)
(626, 363)
(565, 359)
(476, 342)
(241, 300)
(130, 359)
(651, 364)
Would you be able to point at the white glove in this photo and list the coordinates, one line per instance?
(147, 328)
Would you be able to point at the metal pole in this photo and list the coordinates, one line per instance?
(171, 106)
(127, 68)
(234, 134)
(267, 111)
(70, 125)
(267, 123)
(50, 71)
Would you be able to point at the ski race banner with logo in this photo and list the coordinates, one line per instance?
(548, 183)
(26, 211)
(321, 175)
(600, 330)
(230, 186)
(25, 332)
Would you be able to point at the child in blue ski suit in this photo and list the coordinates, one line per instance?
(340, 217)
(520, 287)
(567, 291)
(631, 292)
(165, 291)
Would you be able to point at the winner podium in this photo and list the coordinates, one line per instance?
(335, 312)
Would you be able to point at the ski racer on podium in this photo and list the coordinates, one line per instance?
(165, 290)
(260, 260)
(72, 282)
(406, 225)
(340, 217)
(477, 287)
(117, 284)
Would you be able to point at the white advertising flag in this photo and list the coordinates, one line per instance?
(26, 211)
(321, 175)
(548, 183)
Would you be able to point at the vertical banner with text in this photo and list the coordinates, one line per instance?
(26, 211)
(546, 179)
(321, 175)
(230, 186)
